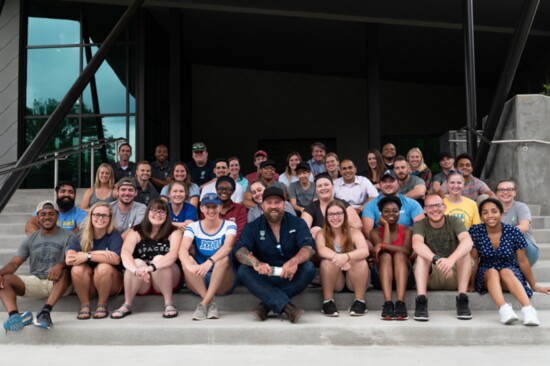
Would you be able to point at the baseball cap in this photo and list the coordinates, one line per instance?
(388, 173)
(273, 191)
(303, 166)
(199, 146)
(211, 198)
(263, 164)
(260, 152)
(127, 181)
(47, 204)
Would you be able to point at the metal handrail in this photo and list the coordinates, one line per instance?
(512, 141)
(63, 154)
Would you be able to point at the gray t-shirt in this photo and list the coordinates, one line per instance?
(517, 212)
(439, 177)
(44, 251)
(125, 220)
(302, 197)
(444, 240)
(413, 182)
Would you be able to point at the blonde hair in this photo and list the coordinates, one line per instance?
(422, 165)
(97, 183)
(87, 236)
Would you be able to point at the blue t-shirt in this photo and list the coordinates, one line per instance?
(258, 238)
(112, 242)
(188, 212)
(207, 245)
(409, 210)
(71, 219)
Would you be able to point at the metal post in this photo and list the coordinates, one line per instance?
(56, 170)
(519, 39)
(48, 130)
(470, 75)
(92, 164)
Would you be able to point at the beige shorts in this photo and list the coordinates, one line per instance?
(39, 288)
(438, 281)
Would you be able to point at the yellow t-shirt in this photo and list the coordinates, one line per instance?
(466, 211)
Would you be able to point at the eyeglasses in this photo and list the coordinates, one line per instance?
(335, 214)
(453, 171)
(507, 190)
(101, 216)
(157, 212)
(436, 206)
(199, 147)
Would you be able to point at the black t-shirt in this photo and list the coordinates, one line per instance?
(314, 210)
(201, 175)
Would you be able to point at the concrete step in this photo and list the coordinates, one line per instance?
(542, 235)
(13, 228)
(535, 209)
(16, 218)
(544, 250)
(540, 222)
(238, 328)
(311, 300)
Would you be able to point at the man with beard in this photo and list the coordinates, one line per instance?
(126, 212)
(388, 153)
(409, 185)
(45, 250)
(274, 252)
(221, 169)
(161, 168)
(124, 167)
(410, 211)
(231, 211)
(70, 216)
(443, 246)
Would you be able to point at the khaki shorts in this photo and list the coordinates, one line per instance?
(39, 288)
(438, 281)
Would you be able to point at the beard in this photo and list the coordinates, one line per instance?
(274, 216)
(65, 203)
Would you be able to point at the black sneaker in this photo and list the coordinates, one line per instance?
(421, 310)
(358, 308)
(462, 309)
(388, 311)
(401, 312)
(43, 320)
(329, 309)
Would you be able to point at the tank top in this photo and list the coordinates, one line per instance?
(400, 234)
(94, 199)
(147, 249)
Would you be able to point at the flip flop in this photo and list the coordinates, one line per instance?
(170, 311)
(123, 311)
(101, 311)
(84, 314)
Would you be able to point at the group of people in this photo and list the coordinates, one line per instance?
(149, 227)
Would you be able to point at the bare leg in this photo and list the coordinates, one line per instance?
(492, 282)
(164, 281)
(401, 272)
(464, 269)
(511, 282)
(134, 284)
(194, 282)
(82, 282)
(13, 287)
(331, 279)
(385, 268)
(107, 281)
(421, 273)
(357, 278)
(221, 280)
(59, 288)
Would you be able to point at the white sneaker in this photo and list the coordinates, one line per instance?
(530, 316)
(507, 314)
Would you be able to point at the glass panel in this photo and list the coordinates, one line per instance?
(110, 82)
(132, 75)
(50, 74)
(66, 135)
(53, 24)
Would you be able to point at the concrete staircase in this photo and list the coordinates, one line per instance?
(236, 327)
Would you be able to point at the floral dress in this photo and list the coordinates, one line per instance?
(504, 256)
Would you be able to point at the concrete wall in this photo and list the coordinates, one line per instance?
(9, 77)
(524, 117)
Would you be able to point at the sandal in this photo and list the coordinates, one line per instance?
(84, 314)
(123, 311)
(101, 311)
(170, 311)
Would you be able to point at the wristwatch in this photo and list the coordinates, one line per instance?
(89, 256)
(435, 259)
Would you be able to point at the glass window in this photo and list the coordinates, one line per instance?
(110, 80)
(53, 24)
(50, 74)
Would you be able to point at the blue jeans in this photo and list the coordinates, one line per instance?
(532, 252)
(275, 292)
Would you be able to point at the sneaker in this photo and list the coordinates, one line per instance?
(401, 312)
(16, 322)
(260, 312)
(200, 312)
(421, 310)
(212, 311)
(293, 312)
(388, 311)
(329, 309)
(507, 314)
(530, 316)
(358, 308)
(43, 320)
(462, 309)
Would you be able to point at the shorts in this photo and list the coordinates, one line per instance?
(153, 291)
(40, 288)
(438, 281)
(228, 292)
(375, 278)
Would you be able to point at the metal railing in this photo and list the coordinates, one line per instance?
(63, 154)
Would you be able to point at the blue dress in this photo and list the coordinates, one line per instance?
(504, 256)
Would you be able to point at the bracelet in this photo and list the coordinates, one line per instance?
(211, 260)
(154, 267)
